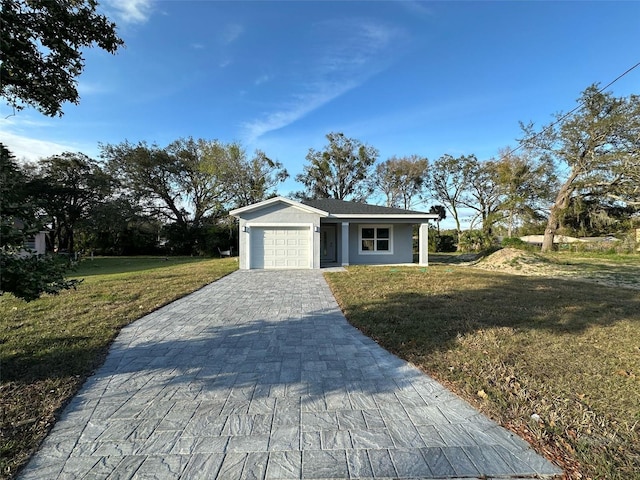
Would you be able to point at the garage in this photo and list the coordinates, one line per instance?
(280, 247)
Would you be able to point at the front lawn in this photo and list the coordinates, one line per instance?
(555, 360)
(49, 346)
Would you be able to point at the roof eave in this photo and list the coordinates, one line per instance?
(265, 203)
(386, 216)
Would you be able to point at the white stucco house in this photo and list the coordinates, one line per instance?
(283, 233)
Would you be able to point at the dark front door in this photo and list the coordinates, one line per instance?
(328, 247)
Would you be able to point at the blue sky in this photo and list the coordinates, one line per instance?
(407, 77)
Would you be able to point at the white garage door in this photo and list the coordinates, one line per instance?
(280, 247)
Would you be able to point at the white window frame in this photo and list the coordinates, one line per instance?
(375, 239)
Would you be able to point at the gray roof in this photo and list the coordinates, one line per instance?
(340, 207)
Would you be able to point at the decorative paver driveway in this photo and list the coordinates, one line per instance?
(259, 375)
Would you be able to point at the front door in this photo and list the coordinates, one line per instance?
(328, 250)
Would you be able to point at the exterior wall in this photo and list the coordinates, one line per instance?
(402, 245)
(275, 215)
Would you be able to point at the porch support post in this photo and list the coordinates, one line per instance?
(345, 244)
(423, 244)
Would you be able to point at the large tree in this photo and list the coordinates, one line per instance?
(24, 275)
(598, 146)
(401, 180)
(340, 170)
(450, 178)
(180, 183)
(525, 185)
(41, 43)
(66, 188)
(253, 179)
(482, 192)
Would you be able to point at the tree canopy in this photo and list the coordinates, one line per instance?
(341, 170)
(401, 179)
(41, 44)
(598, 147)
(24, 275)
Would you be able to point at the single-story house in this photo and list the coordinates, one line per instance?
(283, 233)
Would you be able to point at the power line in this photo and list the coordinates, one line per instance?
(563, 117)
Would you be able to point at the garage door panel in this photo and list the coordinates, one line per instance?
(280, 247)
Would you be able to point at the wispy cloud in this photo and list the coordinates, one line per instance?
(262, 79)
(197, 46)
(90, 88)
(231, 32)
(31, 149)
(131, 11)
(351, 52)
(416, 6)
(18, 135)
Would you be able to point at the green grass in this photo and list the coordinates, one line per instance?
(49, 346)
(514, 346)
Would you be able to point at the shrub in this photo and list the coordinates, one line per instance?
(475, 241)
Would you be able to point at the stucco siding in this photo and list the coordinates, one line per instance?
(277, 215)
(402, 246)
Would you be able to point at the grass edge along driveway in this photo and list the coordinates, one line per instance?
(48, 347)
(556, 361)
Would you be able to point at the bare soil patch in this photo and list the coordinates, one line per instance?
(520, 262)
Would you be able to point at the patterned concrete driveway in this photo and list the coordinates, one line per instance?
(259, 375)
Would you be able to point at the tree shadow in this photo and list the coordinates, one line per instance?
(562, 307)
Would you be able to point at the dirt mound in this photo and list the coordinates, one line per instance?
(511, 260)
(519, 262)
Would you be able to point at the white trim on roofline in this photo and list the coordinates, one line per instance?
(386, 216)
(266, 203)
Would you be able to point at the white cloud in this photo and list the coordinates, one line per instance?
(262, 79)
(197, 46)
(17, 133)
(230, 33)
(90, 88)
(30, 149)
(352, 51)
(132, 11)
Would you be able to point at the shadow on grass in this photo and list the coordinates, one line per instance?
(437, 308)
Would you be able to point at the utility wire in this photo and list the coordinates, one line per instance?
(563, 117)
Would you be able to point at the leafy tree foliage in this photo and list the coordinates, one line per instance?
(598, 147)
(118, 226)
(401, 179)
(190, 184)
(67, 188)
(41, 44)
(441, 212)
(341, 170)
(24, 275)
(526, 186)
(254, 179)
(481, 193)
(450, 178)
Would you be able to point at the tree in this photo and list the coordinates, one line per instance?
(441, 212)
(401, 179)
(41, 44)
(449, 182)
(24, 275)
(66, 188)
(191, 184)
(253, 180)
(525, 187)
(599, 148)
(482, 193)
(341, 170)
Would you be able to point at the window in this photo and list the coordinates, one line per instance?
(376, 239)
